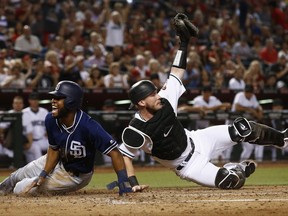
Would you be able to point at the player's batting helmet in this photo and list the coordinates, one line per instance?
(140, 90)
(72, 93)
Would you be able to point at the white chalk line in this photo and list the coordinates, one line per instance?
(121, 202)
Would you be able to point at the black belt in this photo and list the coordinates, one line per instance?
(183, 164)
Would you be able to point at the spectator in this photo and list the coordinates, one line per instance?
(78, 50)
(28, 42)
(115, 79)
(117, 53)
(35, 115)
(15, 78)
(192, 74)
(280, 69)
(97, 58)
(270, 83)
(269, 54)
(84, 74)
(96, 79)
(56, 66)
(209, 103)
(237, 82)
(242, 49)
(53, 16)
(40, 76)
(115, 27)
(284, 50)
(140, 70)
(17, 106)
(154, 78)
(126, 63)
(96, 40)
(3, 68)
(154, 68)
(70, 71)
(278, 14)
(254, 75)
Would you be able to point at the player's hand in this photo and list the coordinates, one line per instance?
(40, 181)
(139, 188)
(124, 187)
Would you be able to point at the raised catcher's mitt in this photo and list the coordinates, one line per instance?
(184, 28)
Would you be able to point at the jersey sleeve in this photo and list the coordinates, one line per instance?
(172, 91)
(100, 138)
(26, 124)
(127, 151)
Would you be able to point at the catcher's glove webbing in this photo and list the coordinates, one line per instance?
(184, 28)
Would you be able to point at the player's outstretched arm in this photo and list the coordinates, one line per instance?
(120, 169)
(136, 187)
(185, 30)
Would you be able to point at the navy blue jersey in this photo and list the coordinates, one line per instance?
(78, 144)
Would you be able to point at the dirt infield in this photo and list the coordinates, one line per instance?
(250, 200)
(260, 200)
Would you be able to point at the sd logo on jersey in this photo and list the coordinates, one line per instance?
(77, 150)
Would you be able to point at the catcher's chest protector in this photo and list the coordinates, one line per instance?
(166, 132)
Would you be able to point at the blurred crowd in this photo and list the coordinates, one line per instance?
(113, 44)
(242, 45)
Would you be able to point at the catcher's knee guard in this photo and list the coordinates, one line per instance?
(230, 179)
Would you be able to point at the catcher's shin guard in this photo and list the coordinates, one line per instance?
(265, 135)
(230, 178)
(243, 130)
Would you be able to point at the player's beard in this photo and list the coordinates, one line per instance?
(62, 113)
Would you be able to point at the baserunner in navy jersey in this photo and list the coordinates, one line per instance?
(73, 138)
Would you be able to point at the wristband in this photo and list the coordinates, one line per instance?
(122, 176)
(43, 174)
(133, 181)
(180, 60)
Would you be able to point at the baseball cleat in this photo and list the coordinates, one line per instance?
(6, 186)
(249, 167)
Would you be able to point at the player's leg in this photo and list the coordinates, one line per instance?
(201, 171)
(61, 181)
(247, 150)
(252, 132)
(31, 170)
(248, 166)
(212, 140)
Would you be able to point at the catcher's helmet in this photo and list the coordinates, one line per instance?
(140, 90)
(72, 93)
